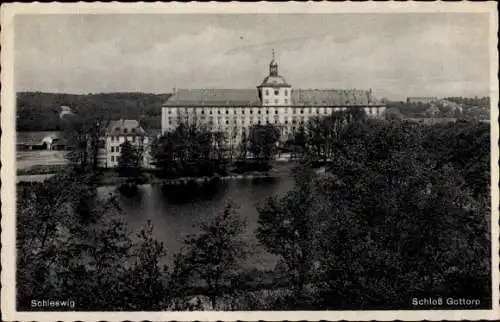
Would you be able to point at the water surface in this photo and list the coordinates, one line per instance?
(174, 219)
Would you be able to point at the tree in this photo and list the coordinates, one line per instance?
(65, 247)
(73, 245)
(147, 280)
(214, 256)
(323, 132)
(262, 141)
(130, 159)
(190, 150)
(288, 226)
(243, 147)
(402, 222)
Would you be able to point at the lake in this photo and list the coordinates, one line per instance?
(174, 220)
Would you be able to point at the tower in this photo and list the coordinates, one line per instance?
(274, 90)
(273, 66)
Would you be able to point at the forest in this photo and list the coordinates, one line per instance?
(402, 211)
(38, 111)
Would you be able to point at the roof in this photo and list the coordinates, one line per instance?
(332, 97)
(214, 97)
(249, 97)
(36, 137)
(124, 127)
(274, 81)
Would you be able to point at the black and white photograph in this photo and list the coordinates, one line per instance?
(288, 161)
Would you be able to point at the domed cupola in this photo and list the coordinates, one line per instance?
(274, 90)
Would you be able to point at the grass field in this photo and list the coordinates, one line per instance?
(31, 159)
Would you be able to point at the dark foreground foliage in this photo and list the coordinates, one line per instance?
(401, 212)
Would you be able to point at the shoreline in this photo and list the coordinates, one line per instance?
(110, 178)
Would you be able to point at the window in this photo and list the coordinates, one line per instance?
(276, 92)
(286, 100)
(251, 111)
(234, 111)
(317, 110)
(267, 111)
(310, 110)
(227, 121)
(112, 158)
(218, 111)
(286, 121)
(112, 149)
(202, 111)
(258, 112)
(118, 129)
(267, 92)
(275, 111)
(210, 112)
(286, 92)
(169, 111)
(133, 130)
(125, 130)
(243, 112)
(301, 111)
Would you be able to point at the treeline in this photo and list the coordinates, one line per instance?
(471, 101)
(38, 111)
(476, 108)
(191, 150)
(402, 212)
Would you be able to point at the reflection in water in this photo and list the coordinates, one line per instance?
(177, 211)
(193, 191)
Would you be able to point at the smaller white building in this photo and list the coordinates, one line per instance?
(117, 133)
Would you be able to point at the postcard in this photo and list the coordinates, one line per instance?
(238, 161)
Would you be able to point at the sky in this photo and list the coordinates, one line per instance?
(395, 54)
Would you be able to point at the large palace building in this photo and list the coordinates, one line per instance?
(274, 101)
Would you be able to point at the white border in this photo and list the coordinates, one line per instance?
(8, 11)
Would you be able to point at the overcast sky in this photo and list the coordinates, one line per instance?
(397, 55)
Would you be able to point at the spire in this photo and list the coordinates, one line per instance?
(273, 66)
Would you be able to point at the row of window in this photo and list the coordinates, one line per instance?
(251, 121)
(132, 138)
(311, 110)
(276, 92)
(266, 101)
(125, 130)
